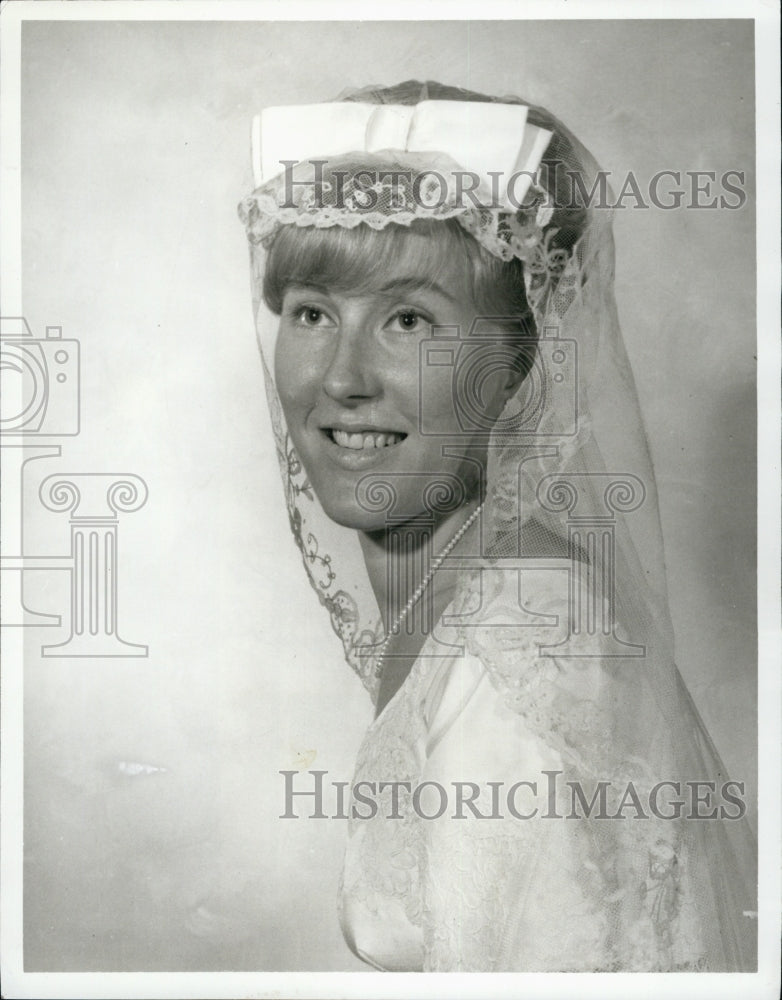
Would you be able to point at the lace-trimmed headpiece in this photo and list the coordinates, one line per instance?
(347, 163)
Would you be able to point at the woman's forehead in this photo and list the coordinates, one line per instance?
(399, 279)
(365, 260)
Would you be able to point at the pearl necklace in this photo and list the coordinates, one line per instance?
(421, 589)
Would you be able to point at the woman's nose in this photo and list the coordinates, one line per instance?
(352, 371)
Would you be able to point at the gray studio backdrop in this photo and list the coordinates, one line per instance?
(152, 793)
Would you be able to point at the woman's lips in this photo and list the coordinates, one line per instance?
(363, 440)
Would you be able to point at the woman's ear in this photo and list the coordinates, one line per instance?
(506, 383)
(509, 382)
(513, 380)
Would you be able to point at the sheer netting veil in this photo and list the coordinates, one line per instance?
(559, 625)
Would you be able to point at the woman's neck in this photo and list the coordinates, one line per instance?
(399, 558)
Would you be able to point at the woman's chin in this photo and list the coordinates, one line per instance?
(354, 516)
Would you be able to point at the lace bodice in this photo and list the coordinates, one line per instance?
(509, 893)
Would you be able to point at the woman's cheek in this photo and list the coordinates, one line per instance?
(437, 398)
(295, 370)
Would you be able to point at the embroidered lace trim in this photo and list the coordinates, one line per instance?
(400, 200)
(517, 895)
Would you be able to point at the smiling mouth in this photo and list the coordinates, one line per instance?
(363, 440)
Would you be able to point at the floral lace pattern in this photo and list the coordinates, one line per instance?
(522, 895)
(384, 857)
(341, 606)
(581, 729)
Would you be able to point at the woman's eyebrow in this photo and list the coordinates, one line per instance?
(306, 286)
(397, 286)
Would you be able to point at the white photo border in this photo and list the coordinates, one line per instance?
(17, 983)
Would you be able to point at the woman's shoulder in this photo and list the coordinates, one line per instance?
(514, 629)
(523, 682)
(515, 612)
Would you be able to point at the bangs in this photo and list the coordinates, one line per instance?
(357, 261)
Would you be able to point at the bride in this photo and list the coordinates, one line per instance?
(467, 479)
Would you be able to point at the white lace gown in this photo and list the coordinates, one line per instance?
(538, 894)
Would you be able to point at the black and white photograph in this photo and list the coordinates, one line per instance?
(390, 500)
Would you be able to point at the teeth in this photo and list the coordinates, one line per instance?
(358, 442)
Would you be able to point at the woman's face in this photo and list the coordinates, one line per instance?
(360, 397)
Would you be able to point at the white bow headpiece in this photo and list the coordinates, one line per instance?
(481, 137)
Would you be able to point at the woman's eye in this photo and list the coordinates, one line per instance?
(313, 316)
(409, 321)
